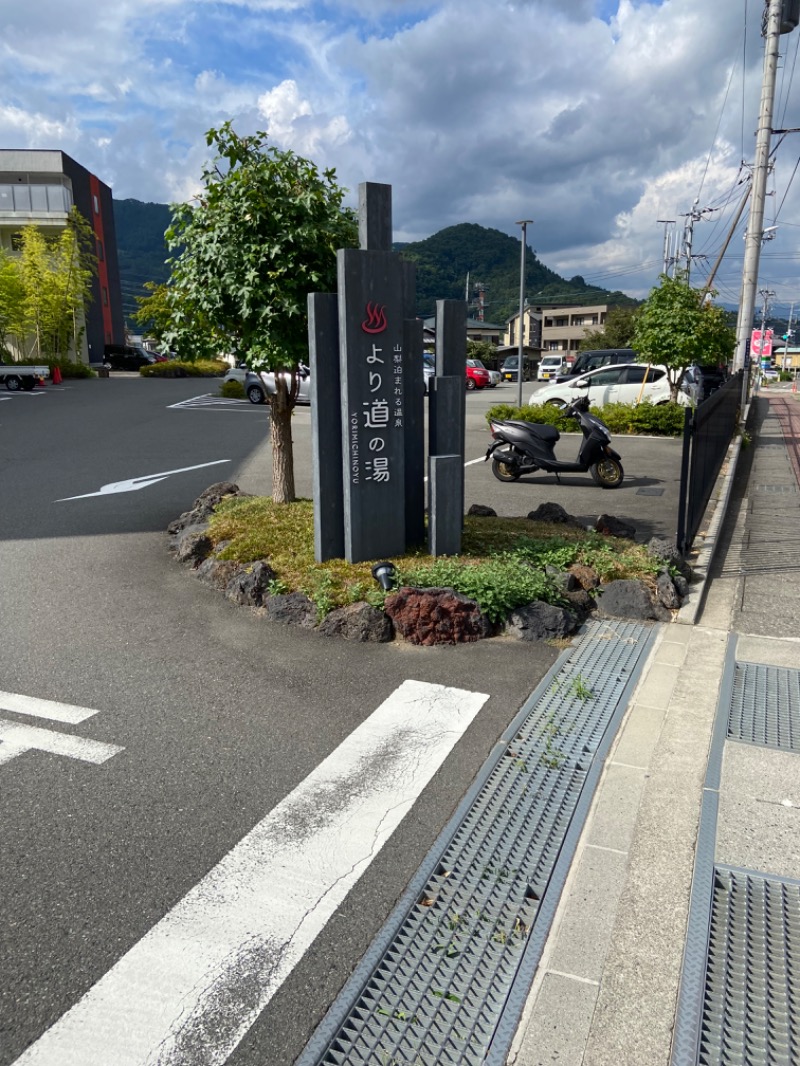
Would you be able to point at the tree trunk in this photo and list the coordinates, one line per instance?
(282, 448)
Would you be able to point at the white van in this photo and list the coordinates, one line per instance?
(550, 367)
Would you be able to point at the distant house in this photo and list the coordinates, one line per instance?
(39, 187)
(563, 328)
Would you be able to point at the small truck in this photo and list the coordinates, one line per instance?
(19, 376)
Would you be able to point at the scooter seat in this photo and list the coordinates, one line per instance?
(549, 434)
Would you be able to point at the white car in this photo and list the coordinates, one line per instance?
(236, 373)
(625, 383)
(550, 367)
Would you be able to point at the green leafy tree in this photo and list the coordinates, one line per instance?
(157, 314)
(482, 350)
(260, 237)
(676, 327)
(12, 301)
(55, 274)
(616, 332)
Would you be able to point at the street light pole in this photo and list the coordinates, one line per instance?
(521, 348)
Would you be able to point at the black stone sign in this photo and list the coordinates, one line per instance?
(371, 339)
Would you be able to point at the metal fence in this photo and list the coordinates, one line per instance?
(707, 433)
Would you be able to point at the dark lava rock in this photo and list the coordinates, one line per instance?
(540, 621)
(614, 527)
(292, 609)
(667, 593)
(193, 544)
(250, 586)
(630, 598)
(359, 622)
(480, 510)
(217, 572)
(554, 512)
(436, 616)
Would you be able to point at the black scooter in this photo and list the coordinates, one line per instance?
(521, 448)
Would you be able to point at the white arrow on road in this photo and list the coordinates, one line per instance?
(134, 483)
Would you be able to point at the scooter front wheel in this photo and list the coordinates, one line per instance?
(504, 472)
(607, 473)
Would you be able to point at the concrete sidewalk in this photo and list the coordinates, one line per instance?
(608, 986)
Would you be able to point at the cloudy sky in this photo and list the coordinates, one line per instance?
(594, 118)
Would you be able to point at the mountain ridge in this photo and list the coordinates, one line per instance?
(444, 261)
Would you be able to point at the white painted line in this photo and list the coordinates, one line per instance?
(198, 980)
(31, 738)
(55, 712)
(134, 483)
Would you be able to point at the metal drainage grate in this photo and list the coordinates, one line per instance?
(765, 706)
(649, 492)
(775, 489)
(751, 1003)
(433, 988)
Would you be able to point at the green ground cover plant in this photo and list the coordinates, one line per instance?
(504, 563)
(656, 420)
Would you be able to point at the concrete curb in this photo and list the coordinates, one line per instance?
(690, 610)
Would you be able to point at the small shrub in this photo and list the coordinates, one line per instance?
(232, 390)
(178, 368)
(657, 420)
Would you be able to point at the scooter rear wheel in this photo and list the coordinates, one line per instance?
(504, 472)
(608, 473)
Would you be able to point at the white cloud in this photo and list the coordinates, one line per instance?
(593, 117)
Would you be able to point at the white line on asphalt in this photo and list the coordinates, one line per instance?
(134, 483)
(195, 984)
(36, 708)
(20, 738)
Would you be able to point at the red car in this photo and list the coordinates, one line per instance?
(477, 375)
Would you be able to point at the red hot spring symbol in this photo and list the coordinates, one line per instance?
(375, 322)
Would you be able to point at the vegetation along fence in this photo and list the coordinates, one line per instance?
(707, 433)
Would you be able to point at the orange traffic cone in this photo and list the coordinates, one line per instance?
(56, 375)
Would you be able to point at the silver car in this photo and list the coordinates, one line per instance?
(259, 386)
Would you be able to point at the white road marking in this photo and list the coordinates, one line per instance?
(18, 738)
(36, 708)
(194, 985)
(134, 483)
(209, 402)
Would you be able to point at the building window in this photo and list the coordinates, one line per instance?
(22, 197)
(39, 198)
(100, 253)
(105, 296)
(96, 205)
(16, 241)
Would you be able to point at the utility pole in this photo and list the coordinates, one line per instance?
(755, 223)
(669, 260)
(525, 222)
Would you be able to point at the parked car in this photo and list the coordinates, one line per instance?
(508, 371)
(613, 384)
(550, 367)
(770, 374)
(259, 386)
(593, 360)
(236, 373)
(477, 374)
(707, 379)
(127, 357)
(494, 375)
(428, 370)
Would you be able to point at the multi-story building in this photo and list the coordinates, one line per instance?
(563, 328)
(39, 187)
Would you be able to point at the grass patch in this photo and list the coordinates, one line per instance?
(503, 563)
